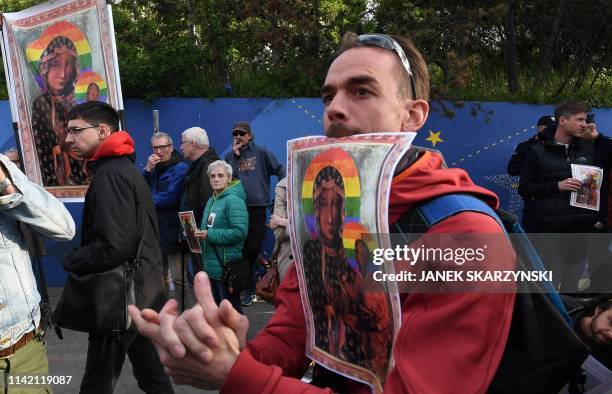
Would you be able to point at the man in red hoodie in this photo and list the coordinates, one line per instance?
(117, 214)
(447, 342)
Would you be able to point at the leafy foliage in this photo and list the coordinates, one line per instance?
(278, 48)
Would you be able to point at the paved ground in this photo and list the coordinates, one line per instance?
(67, 357)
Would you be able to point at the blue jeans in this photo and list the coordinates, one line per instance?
(220, 293)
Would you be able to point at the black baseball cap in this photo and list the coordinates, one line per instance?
(242, 126)
(547, 120)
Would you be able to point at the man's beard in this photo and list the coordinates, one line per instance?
(337, 130)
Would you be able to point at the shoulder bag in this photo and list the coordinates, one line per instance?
(236, 275)
(97, 302)
(267, 285)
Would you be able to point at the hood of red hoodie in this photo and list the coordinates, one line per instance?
(118, 143)
(425, 179)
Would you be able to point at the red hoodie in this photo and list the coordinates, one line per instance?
(447, 343)
(118, 143)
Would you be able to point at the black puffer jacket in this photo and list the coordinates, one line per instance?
(547, 164)
(117, 205)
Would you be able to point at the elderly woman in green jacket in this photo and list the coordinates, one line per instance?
(224, 228)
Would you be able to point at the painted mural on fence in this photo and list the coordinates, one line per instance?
(480, 143)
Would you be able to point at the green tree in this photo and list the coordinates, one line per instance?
(511, 50)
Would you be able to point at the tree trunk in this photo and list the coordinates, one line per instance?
(552, 39)
(597, 73)
(568, 78)
(511, 52)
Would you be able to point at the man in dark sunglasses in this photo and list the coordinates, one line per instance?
(446, 343)
(254, 165)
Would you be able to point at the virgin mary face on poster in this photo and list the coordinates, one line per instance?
(59, 66)
(329, 205)
(59, 70)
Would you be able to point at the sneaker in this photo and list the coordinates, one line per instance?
(248, 299)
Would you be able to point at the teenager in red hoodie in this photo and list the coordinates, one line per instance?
(117, 205)
(447, 343)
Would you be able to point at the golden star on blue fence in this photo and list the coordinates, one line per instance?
(434, 137)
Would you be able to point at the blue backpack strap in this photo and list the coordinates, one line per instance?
(443, 207)
(522, 241)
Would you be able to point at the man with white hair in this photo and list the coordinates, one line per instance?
(196, 186)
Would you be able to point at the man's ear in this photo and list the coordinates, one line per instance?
(104, 130)
(598, 310)
(416, 112)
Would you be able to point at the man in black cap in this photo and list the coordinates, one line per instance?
(253, 165)
(515, 165)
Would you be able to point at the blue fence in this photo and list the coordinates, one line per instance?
(480, 141)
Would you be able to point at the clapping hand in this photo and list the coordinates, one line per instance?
(200, 346)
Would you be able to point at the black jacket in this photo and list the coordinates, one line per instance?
(515, 165)
(196, 186)
(117, 205)
(546, 164)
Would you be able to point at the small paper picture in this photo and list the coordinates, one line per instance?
(589, 195)
(189, 226)
(211, 220)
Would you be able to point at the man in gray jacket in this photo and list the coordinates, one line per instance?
(22, 350)
(253, 165)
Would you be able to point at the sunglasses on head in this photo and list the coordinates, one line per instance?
(241, 133)
(385, 42)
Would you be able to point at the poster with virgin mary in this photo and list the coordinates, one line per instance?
(338, 196)
(57, 55)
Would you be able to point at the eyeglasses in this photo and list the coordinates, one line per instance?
(160, 147)
(239, 133)
(186, 142)
(76, 130)
(385, 42)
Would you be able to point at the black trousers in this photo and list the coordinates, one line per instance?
(105, 357)
(255, 238)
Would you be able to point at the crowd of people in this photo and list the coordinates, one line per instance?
(446, 342)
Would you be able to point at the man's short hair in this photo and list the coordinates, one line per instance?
(197, 135)
(160, 134)
(570, 108)
(96, 112)
(418, 66)
(220, 163)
